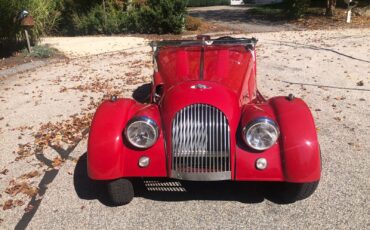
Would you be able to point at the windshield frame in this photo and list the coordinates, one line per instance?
(248, 42)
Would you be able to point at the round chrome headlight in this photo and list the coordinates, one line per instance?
(261, 134)
(141, 132)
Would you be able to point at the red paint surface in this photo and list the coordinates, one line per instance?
(229, 74)
(109, 157)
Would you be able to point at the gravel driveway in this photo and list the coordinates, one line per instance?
(44, 120)
(237, 18)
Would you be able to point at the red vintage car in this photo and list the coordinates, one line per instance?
(206, 121)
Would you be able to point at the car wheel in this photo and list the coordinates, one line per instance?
(120, 191)
(291, 192)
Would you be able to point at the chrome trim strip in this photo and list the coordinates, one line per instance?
(214, 176)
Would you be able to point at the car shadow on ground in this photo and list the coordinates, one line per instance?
(160, 189)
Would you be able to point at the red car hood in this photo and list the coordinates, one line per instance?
(226, 65)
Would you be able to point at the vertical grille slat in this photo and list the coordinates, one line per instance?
(200, 144)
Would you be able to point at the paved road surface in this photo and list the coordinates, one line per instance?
(237, 18)
(330, 70)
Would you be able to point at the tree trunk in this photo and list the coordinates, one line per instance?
(330, 7)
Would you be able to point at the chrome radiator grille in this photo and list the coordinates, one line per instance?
(200, 144)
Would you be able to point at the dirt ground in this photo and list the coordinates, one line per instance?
(45, 115)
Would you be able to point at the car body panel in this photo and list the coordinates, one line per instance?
(233, 68)
(109, 155)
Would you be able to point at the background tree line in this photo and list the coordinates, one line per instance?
(81, 17)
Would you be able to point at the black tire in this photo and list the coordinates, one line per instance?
(291, 192)
(120, 191)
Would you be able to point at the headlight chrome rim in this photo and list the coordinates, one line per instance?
(258, 121)
(147, 121)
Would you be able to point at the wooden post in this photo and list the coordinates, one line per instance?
(349, 12)
(28, 41)
(27, 23)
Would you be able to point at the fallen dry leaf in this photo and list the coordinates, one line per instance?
(340, 98)
(29, 175)
(28, 208)
(68, 131)
(57, 162)
(8, 204)
(4, 171)
(18, 203)
(21, 187)
(24, 150)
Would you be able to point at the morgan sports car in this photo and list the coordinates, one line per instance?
(205, 121)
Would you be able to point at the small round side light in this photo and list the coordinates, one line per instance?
(261, 163)
(144, 162)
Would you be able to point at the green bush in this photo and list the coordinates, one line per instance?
(208, 2)
(74, 17)
(40, 52)
(157, 16)
(141, 16)
(296, 8)
(44, 12)
(100, 21)
(77, 16)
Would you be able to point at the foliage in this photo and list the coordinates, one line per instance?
(157, 16)
(274, 11)
(44, 12)
(140, 16)
(74, 17)
(192, 23)
(296, 8)
(40, 52)
(77, 16)
(208, 2)
(100, 20)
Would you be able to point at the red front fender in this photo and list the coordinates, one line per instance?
(298, 142)
(108, 156)
(295, 157)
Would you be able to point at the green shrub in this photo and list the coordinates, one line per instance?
(40, 52)
(193, 3)
(44, 12)
(75, 17)
(296, 8)
(100, 21)
(271, 12)
(157, 16)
